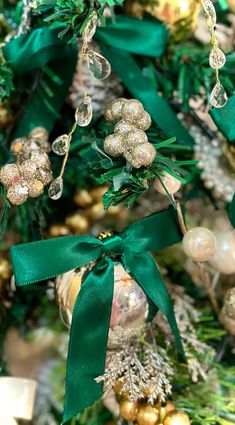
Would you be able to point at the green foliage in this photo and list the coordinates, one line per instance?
(6, 79)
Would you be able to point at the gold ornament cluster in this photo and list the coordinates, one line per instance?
(144, 413)
(32, 171)
(227, 315)
(129, 138)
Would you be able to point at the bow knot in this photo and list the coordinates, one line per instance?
(113, 244)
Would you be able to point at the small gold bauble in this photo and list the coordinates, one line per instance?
(176, 417)
(17, 145)
(223, 259)
(39, 133)
(77, 222)
(199, 244)
(144, 121)
(122, 127)
(96, 211)
(113, 145)
(83, 198)
(134, 138)
(132, 110)
(41, 159)
(18, 193)
(44, 175)
(147, 415)
(35, 188)
(9, 174)
(97, 193)
(227, 321)
(229, 303)
(28, 169)
(231, 4)
(5, 269)
(114, 109)
(141, 156)
(58, 230)
(171, 184)
(164, 410)
(128, 410)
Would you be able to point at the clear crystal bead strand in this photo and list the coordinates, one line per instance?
(217, 59)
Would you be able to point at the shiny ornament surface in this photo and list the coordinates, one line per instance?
(77, 222)
(132, 110)
(128, 410)
(218, 97)
(147, 415)
(17, 145)
(35, 188)
(83, 198)
(227, 321)
(28, 169)
(223, 259)
(171, 184)
(98, 65)
(142, 155)
(164, 410)
(60, 146)
(231, 5)
(56, 188)
(217, 58)
(144, 122)
(115, 109)
(123, 127)
(18, 193)
(113, 145)
(129, 307)
(134, 138)
(176, 417)
(199, 244)
(9, 174)
(83, 113)
(5, 269)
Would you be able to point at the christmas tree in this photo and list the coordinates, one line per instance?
(117, 212)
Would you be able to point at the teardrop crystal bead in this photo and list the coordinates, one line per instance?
(98, 65)
(83, 114)
(56, 188)
(217, 58)
(210, 12)
(60, 145)
(218, 96)
(90, 28)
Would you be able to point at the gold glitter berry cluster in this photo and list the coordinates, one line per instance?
(32, 171)
(129, 138)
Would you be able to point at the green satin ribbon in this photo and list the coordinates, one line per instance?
(224, 119)
(31, 52)
(127, 36)
(41, 260)
(231, 211)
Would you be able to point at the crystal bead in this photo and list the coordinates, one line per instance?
(60, 145)
(218, 96)
(90, 28)
(217, 58)
(83, 114)
(98, 65)
(56, 188)
(211, 13)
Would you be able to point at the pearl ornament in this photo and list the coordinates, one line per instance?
(223, 259)
(199, 244)
(171, 184)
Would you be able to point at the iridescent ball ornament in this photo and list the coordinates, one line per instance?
(199, 244)
(129, 138)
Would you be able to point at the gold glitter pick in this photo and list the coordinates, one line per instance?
(217, 59)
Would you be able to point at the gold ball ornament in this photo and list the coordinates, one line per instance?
(9, 174)
(132, 110)
(18, 193)
(176, 417)
(229, 303)
(83, 198)
(128, 410)
(199, 244)
(77, 222)
(134, 138)
(97, 193)
(113, 145)
(44, 175)
(144, 122)
(227, 321)
(141, 156)
(5, 269)
(122, 127)
(17, 145)
(223, 259)
(148, 415)
(39, 133)
(171, 184)
(28, 169)
(164, 410)
(113, 111)
(172, 12)
(35, 188)
(41, 159)
(95, 212)
(58, 230)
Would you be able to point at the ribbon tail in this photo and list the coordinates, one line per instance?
(144, 270)
(231, 211)
(88, 339)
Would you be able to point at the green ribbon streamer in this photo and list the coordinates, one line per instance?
(231, 211)
(41, 260)
(128, 36)
(31, 52)
(223, 5)
(224, 119)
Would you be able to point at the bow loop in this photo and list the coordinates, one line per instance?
(113, 245)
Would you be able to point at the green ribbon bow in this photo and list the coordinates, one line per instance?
(31, 52)
(128, 36)
(41, 260)
(231, 211)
